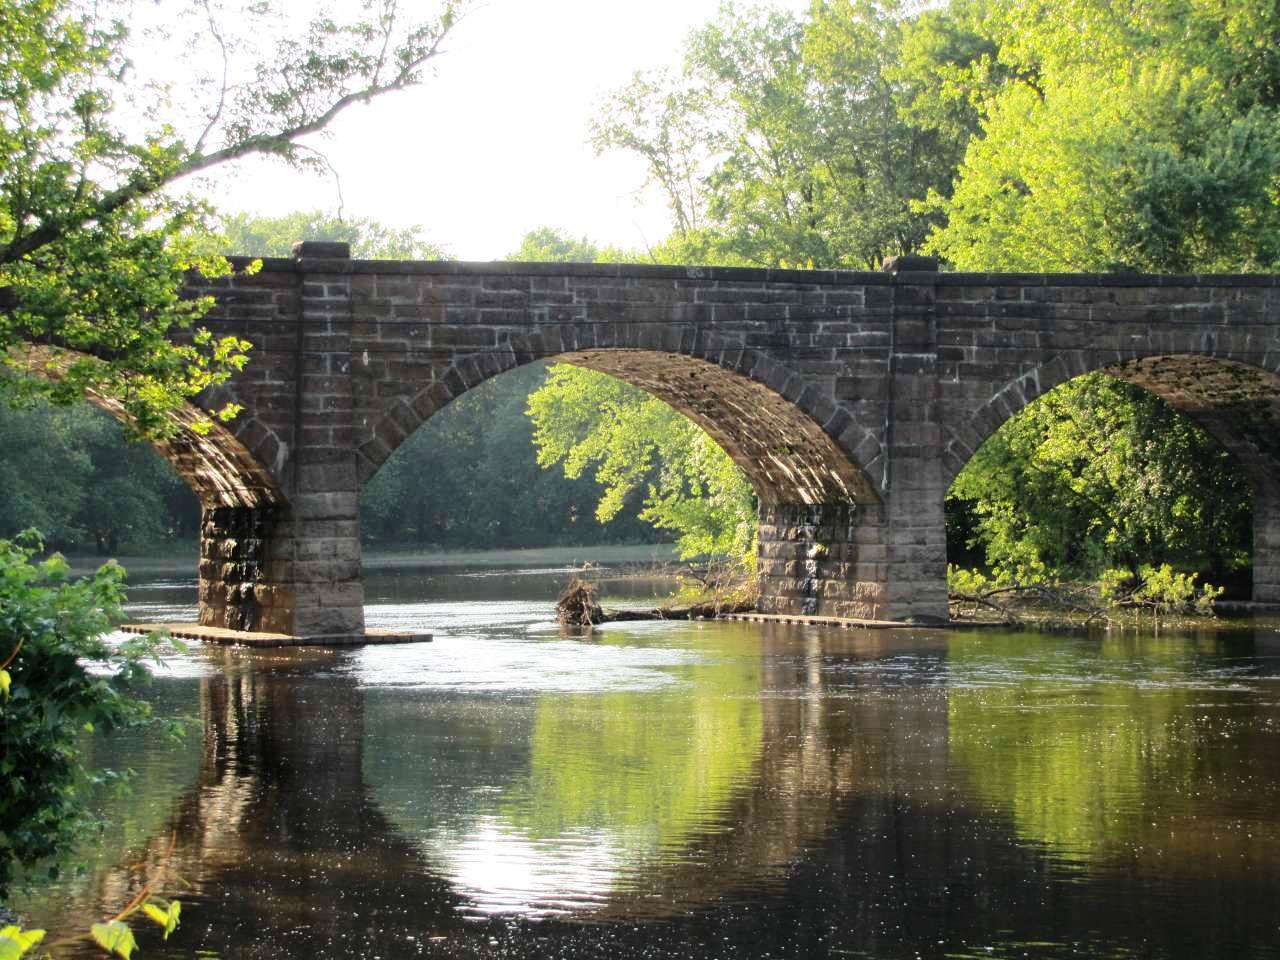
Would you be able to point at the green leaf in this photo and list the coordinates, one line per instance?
(15, 942)
(171, 924)
(114, 937)
(166, 917)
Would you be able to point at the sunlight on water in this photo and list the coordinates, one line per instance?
(705, 789)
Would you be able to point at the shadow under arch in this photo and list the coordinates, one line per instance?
(1234, 401)
(824, 538)
(787, 441)
(238, 495)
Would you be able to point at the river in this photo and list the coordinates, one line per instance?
(695, 790)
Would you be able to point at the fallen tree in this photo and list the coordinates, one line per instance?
(577, 607)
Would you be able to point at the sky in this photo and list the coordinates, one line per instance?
(496, 143)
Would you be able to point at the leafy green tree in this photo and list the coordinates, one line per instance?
(51, 631)
(549, 245)
(95, 237)
(1098, 474)
(1113, 137)
(783, 141)
(258, 236)
(638, 445)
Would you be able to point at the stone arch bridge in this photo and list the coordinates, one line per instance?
(850, 399)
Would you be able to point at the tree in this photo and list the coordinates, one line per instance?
(95, 239)
(1098, 474)
(637, 444)
(258, 236)
(1143, 138)
(50, 632)
(548, 245)
(783, 141)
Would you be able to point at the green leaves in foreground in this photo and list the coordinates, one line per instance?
(51, 630)
(14, 942)
(165, 916)
(114, 937)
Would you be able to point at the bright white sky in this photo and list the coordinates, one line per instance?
(495, 144)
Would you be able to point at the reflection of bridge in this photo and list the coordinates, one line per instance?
(849, 825)
(850, 399)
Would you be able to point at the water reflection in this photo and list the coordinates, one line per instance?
(712, 790)
(1136, 749)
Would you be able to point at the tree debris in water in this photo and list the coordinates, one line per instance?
(577, 607)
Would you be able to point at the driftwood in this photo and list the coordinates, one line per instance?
(577, 607)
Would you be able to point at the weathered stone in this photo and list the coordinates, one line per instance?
(851, 400)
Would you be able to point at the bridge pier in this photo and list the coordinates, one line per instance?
(868, 562)
(271, 570)
(1266, 545)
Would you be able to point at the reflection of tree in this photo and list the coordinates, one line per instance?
(1115, 763)
(631, 802)
(646, 768)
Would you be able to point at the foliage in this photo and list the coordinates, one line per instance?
(781, 142)
(95, 242)
(1161, 588)
(113, 936)
(14, 942)
(548, 245)
(636, 443)
(259, 236)
(70, 472)
(1097, 474)
(1143, 138)
(469, 478)
(51, 630)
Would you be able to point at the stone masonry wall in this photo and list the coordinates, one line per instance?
(851, 399)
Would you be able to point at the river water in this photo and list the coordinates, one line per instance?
(696, 790)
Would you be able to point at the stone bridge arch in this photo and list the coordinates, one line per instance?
(786, 451)
(1224, 378)
(810, 456)
(227, 468)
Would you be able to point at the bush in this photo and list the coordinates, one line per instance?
(51, 630)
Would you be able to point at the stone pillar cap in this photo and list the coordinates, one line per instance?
(322, 249)
(910, 263)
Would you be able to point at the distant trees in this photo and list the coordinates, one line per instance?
(71, 472)
(259, 236)
(469, 479)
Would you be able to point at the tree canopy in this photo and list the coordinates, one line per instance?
(95, 233)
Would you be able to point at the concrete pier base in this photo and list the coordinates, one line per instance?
(248, 638)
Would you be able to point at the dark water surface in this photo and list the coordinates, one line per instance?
(699, 790)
